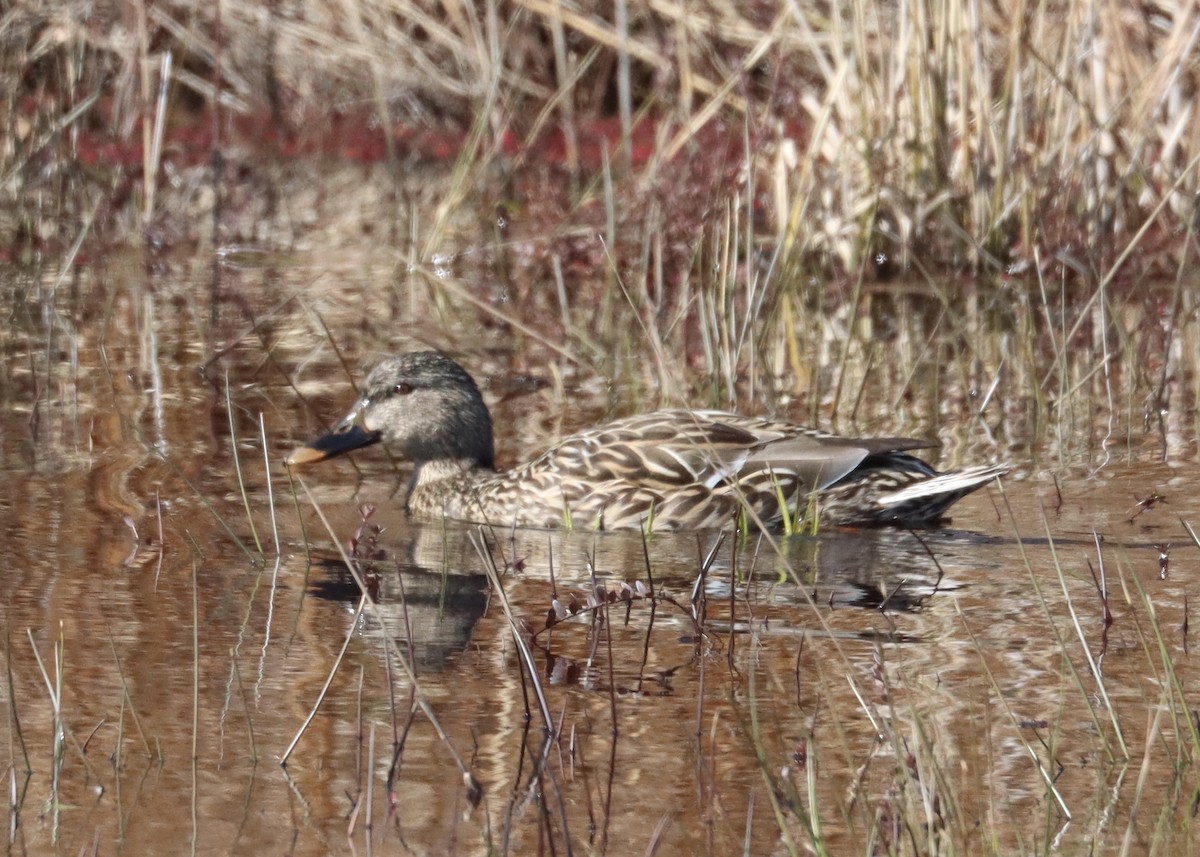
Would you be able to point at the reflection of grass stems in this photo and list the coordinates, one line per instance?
(1069, 664)
(137, 721)
(370, 826)
(1047, 778)
(246, 707)
(367, 603)
(247, 621)
(337, 662)
(199, 494)
(479, 540)
(162, 548)
(358, 729)
(195, 701)
(767, 768)
(1096, 672)
(552, 730)
(54, 692)
(262, 432)
(62, 731)
(14, 719)
(237, 464)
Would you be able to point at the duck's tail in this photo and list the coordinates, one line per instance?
(928, 499)
(898, 488)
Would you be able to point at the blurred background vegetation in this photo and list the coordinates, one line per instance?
(950, 136)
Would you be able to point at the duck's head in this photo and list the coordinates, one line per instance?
(423, 404)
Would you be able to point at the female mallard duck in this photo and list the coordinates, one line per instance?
(669, 470)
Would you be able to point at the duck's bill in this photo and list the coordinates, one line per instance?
(334, 443)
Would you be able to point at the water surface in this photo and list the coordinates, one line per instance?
(175, 603)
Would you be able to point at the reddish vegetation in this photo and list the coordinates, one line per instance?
(352, 136)
(189, 140)
(538, 199)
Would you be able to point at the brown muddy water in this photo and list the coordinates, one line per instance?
(168, 634)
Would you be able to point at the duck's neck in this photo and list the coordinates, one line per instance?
(431, 472)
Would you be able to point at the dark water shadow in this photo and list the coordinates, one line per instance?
(428, 612)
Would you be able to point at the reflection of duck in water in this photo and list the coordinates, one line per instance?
(434, 612)
(668, 470)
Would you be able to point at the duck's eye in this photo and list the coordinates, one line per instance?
(403, 389)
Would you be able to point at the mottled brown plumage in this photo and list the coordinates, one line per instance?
(668, 470)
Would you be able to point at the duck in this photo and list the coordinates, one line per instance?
(675, 469)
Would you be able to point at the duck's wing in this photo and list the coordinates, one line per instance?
(817, 460)
(675, 448)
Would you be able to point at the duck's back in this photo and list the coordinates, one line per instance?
(672, 469)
